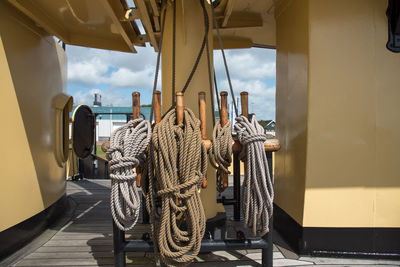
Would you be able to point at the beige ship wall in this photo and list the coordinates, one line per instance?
(291, 106)
(349, 164)
(30, 78)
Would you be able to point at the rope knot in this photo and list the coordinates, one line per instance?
(247, 139)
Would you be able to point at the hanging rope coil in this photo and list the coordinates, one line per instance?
(127, 151)
(176, 166)
(220, 153)
(258, 185)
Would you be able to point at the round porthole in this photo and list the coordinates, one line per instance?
(83, 130)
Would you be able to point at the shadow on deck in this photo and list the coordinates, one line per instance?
(86, 239)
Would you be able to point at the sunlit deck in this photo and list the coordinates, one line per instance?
(84, 238)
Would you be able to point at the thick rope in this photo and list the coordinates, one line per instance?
(176, 166)
(220, 152)
(127, 151)
(258, 185)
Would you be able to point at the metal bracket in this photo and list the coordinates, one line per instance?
(132, 14)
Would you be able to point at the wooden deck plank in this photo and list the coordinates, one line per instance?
(58, 262)
(79, 243)
(45, 249)
(69, 255)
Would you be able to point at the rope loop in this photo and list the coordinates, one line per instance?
(175, 169)
(258, 192)
(127, 151)
(220, 153)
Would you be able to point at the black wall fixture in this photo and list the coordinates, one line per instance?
(393, 15)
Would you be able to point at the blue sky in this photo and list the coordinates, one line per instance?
(116, 75)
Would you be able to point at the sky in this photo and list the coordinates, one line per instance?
(115, 75)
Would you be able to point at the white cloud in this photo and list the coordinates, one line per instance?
(126, 78)
(250, 71)
(91, 67)
(87, 72)
(261, 97)
(247, 64)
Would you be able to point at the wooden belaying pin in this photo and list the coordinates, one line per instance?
(157, 106)
(179, 108)
(244, 100)
(136, 105)
(224, 121)
(202, 115)
(136, 115)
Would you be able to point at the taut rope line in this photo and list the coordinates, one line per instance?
(127, 151)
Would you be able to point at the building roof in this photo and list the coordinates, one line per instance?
(105, 113)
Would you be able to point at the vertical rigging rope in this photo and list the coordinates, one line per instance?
(223, 56)
(217, 94)
(210, 80)
(200, 53)
(158, 62)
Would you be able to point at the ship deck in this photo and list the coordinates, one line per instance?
(84, 238)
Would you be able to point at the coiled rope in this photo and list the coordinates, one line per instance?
(127, 151)
(220, 153)
(176, 166)
(258, 185)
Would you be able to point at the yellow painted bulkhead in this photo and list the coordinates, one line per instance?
(337, 115)
(32, 75)
(189, 37)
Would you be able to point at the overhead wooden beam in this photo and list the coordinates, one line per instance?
(243, 20)
(31, 9)
(99, 42)
(232, 42)
(154, 7)
(227, 13)
(156, 21)
(145, 18)
(117, 22)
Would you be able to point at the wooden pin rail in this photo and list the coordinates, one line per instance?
(179, 108)
(157, 106)
(202, 115)
(244, 101)
(136, 115)
(224, 121)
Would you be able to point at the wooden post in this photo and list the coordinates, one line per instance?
(136, 115)
(157, 106)
(179, 107)
(244, 101)
(202, 115)
(224, 121)
(136, 105)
